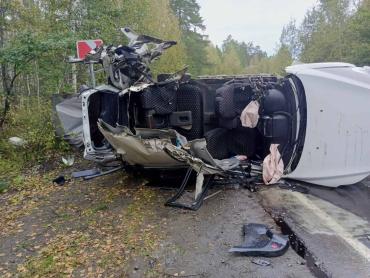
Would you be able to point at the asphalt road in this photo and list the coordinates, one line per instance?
(200, 240)
(333, 224)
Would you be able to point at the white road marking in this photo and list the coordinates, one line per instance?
(330, 222)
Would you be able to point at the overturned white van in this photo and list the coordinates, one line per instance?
(312, 125)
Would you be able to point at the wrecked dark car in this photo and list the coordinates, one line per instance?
(301, 126)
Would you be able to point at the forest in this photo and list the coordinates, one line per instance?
(37, 37)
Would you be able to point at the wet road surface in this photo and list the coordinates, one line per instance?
(333, 224)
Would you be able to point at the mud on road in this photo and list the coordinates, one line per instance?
(115, 226)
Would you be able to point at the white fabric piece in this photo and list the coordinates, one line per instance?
(241, 157)
(250, 116)
(273, 166)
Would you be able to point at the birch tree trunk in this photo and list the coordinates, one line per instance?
(28, 92)
(37, 83)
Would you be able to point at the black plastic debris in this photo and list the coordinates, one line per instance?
(84, 173)
(99, 174)
(261, 241)
(59, 181)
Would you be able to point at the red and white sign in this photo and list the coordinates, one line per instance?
(84, 47)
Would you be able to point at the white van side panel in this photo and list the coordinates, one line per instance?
(337, 144)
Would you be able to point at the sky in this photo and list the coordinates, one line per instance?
(260, 21)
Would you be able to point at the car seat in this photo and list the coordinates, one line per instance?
(230, 138)
(169, 106)
(189, 98)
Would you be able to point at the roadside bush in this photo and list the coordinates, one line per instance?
(34, 125)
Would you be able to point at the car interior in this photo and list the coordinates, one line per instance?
(210, 108)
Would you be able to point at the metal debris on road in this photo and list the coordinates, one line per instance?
(261, 262)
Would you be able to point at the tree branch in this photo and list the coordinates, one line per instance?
(13, 78)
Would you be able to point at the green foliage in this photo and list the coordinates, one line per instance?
(3, 186)
(290, 38)
(358, 34)
(234, 57)
(187, 11)
(195, 46)
(231, 62)
(245, 51)
(26, 47)
(162, 23)
(275, 64)
(214, 60)
(335, 30)
(10, 161)
(191, 23)
(34, 126)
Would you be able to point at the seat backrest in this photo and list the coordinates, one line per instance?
(275, 124)
(230, 101)
(276, 127)
(189, 98)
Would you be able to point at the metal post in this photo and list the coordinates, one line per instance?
(74, 77)
(92, 75)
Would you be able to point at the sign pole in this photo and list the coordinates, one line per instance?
(83, 49)
(92, 75)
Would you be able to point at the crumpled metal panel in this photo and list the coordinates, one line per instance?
(136, 150)
(68, 119)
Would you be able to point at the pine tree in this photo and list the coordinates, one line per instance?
(191, 24)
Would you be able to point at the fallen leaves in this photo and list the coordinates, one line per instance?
(99, 240)
(22, 202)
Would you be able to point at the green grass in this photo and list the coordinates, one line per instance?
(41, 268)
(4, 186)
(100, 207)
(35, 127)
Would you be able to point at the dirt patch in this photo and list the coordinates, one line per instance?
(80, 229)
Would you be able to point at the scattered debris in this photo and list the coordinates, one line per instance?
(261, 241)
(67, 118)
(209, 172)
(99, 174)
(152, 263)
(59, 181)
(68, 160)
(212, 195)
(84, 173)
(260, 262)
(17, 141)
